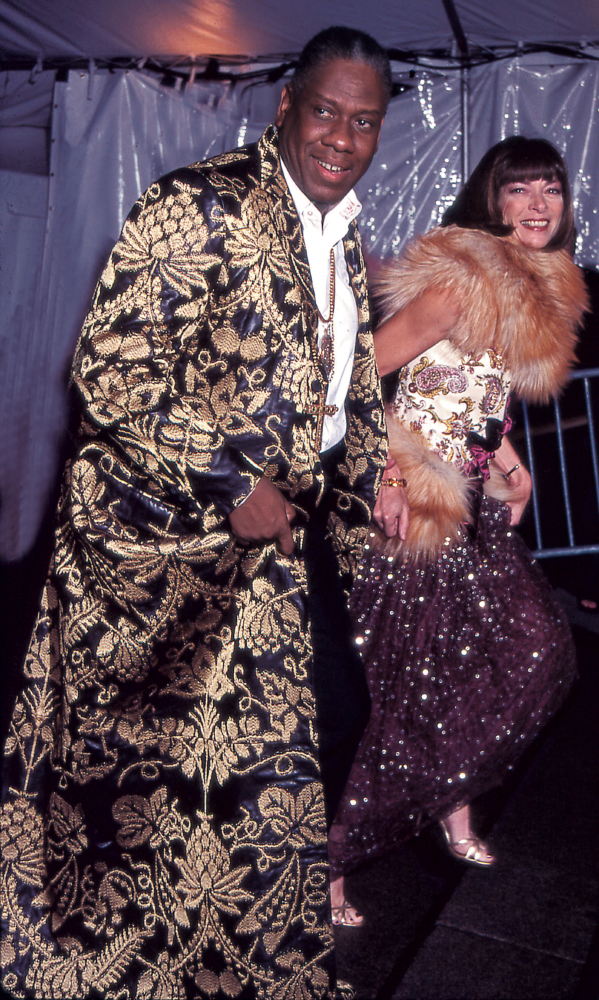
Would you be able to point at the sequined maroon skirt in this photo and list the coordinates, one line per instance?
(467, 658)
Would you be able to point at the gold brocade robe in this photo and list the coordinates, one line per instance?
(163, 827)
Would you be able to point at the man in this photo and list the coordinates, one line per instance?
(163, 832)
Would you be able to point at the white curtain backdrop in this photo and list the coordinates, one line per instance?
(114, 133)
(417, 170)
(558, 101)
(111, 136)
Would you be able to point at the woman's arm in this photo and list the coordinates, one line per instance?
(423, 323)
(505, 460)
(392, 510)
(407, 334)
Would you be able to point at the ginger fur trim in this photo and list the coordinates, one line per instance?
(438, 494)
(524, 304)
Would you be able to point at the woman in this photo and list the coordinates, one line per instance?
(466, 653)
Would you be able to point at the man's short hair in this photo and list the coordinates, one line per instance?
(340, 42)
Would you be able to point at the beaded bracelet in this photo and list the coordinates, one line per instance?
(392, 481)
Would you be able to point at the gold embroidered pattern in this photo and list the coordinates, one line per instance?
(163, 831)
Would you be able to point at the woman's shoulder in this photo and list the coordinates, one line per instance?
(465, 262)
(471, 262)
(447, 253)
(455, 240)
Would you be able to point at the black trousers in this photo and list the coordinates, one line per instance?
(342, 698)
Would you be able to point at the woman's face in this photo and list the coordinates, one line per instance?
(534, 209)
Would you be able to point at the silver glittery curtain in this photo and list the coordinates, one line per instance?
(418, 170)
(113, 134)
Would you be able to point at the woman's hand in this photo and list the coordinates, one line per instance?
(392, 510)
(521, 486)
(506, 460)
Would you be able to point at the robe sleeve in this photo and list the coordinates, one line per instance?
(146, 358)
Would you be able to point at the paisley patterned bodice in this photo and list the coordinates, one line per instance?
(457, 403)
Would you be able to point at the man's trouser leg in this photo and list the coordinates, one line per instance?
(342, 698)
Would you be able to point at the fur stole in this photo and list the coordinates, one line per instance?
(524, 304)
(439, 496)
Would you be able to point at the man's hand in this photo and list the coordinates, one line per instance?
(392, 510)
(265, 516)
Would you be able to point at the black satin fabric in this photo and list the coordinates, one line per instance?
(340, 688)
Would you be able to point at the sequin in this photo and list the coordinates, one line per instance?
(439, 640)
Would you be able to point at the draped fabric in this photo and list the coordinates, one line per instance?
(110, 140)
(232, 27)
(163, 827)
(114, 133)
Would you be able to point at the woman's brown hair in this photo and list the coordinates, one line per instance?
(509, 161)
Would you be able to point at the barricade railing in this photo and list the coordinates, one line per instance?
(588, 478)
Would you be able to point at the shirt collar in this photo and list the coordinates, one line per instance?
(337, 219)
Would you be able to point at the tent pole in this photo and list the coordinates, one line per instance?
(464, 94)
(462, 44)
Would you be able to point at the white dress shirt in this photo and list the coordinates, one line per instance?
(320, 237)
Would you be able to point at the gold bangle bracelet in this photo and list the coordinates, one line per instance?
(392, 481)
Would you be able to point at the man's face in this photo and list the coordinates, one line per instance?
(330, 131)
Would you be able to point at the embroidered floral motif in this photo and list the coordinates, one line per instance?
(448, 399)
(163, 831)
(429, 379)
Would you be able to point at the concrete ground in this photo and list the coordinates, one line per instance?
(525, 929)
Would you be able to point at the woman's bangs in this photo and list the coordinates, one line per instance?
(532, 169)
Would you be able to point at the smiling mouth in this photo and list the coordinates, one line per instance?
(538, 224)
(331, 168)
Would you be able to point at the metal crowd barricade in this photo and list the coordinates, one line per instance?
(590, 476)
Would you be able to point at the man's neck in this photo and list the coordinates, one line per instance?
(323, 209)
(337, 217)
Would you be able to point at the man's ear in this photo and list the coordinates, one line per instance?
(284, 105)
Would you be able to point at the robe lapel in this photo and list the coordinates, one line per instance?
(273, 181)
(357, 271)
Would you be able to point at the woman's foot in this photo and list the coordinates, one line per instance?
(343, 912)
(462, 842)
